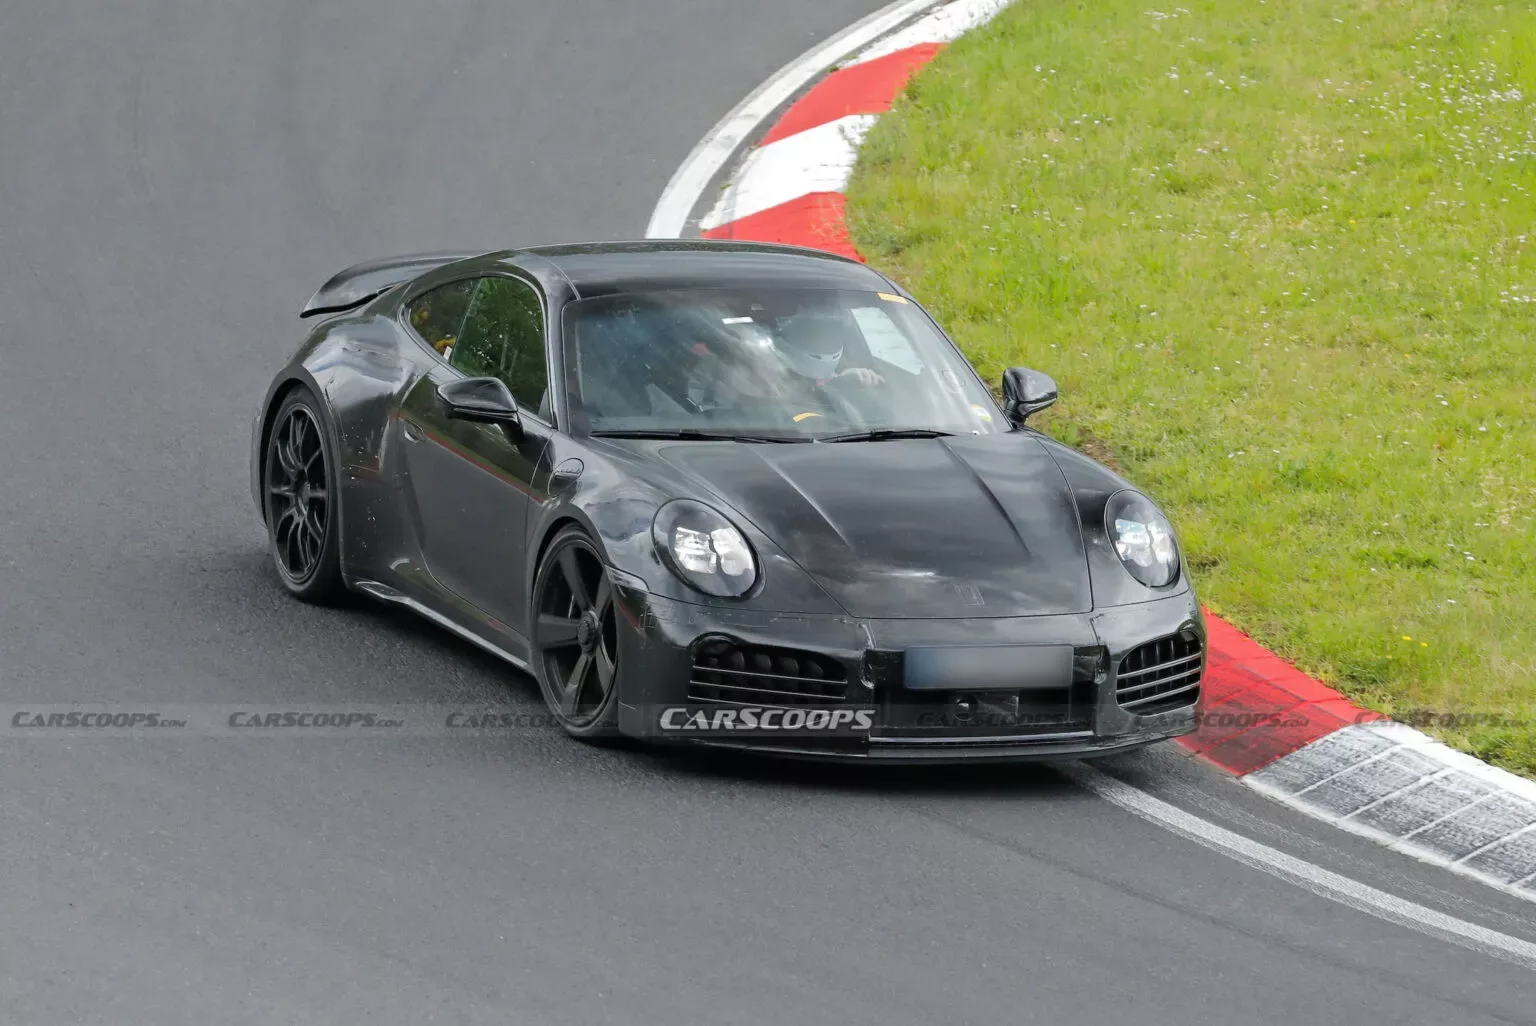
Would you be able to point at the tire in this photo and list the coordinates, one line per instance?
(575, 638)
(301, 501)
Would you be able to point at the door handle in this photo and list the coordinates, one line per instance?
(412, 432)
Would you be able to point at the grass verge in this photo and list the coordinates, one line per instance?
(1281, 258)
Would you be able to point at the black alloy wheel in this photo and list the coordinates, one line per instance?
(302, 525)
(575, 636)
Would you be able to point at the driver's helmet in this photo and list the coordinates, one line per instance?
(811, 344)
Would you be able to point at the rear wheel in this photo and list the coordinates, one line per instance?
(303, 529)
(575, 635)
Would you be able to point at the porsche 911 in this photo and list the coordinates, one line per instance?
(724, 493)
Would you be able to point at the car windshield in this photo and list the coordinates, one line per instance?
(773, 364)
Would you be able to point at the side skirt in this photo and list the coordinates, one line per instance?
(385, 593)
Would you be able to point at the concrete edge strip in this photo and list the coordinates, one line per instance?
(1281, 732)
(1399, 787)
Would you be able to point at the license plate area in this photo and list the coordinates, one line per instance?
(988, 668)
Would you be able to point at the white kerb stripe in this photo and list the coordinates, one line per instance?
(818, 159)
(944, 25)
(670, 218)
(1322, 882)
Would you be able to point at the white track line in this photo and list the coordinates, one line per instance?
(1319, 881)
(670, 218)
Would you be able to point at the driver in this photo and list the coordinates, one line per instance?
(816, 384)
(792, 370)
(812, 346)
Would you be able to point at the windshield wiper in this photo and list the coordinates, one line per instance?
(881, 434)
(693, 434)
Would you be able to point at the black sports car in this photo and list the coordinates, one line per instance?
(729, 493)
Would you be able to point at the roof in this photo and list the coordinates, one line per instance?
(604, 268)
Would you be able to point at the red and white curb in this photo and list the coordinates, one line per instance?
(783, 158)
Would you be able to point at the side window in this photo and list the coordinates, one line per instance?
(438, 315)
(503, 337)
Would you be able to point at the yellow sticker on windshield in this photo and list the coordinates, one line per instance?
(801, 416)
(890, 298)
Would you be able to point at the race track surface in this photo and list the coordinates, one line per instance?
(175, 178)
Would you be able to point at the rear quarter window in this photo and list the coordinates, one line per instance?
(438, 315)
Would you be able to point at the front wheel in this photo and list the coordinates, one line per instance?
(303, 528)
(575, 636)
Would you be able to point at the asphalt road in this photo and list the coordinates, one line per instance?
(175, 178)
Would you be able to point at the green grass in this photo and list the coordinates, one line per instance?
(1281, 258)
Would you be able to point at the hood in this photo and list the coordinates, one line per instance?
(970, 526)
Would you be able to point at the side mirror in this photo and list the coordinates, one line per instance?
(485, 400)
(1025, 392)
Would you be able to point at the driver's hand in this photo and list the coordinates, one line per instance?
(863, 375)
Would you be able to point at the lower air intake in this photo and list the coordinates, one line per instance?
(1160, 675)
(726, 673)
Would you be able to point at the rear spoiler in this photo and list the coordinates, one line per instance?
(362, 282)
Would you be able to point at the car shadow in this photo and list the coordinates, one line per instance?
(1035, 781)
(477, 676)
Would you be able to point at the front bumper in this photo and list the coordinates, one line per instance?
(660, 641)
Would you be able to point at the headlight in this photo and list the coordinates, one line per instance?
(704, 549)
(1143, 539)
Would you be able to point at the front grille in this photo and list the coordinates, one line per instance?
(727, 673)
(1043, 712)
(937, 716)
(1160, 675)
